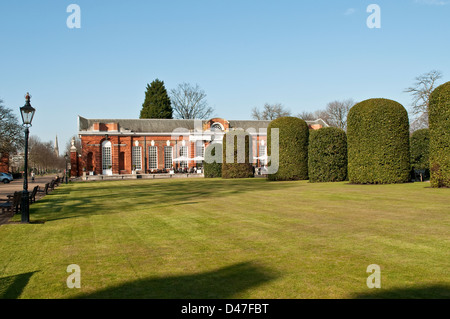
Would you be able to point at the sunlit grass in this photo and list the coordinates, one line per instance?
(230, 239)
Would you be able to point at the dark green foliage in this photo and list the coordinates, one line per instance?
(419, 146)
(378, 143)
(157, 103)
(327, 155)
(238, 166)
(213, 168)
(439, 122)
(293, 148)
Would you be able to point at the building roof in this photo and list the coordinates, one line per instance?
(169, 125)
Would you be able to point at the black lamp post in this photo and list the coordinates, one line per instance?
(66, 157)
(27, 112)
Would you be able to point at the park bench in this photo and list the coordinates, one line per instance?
(52, 184)
(12, 204)
(45, 190)
(33, 194)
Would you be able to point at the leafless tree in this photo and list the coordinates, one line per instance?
(42, 156)
(312, 116)
(307, 116)
(322, 114)
(270, 112)
(422, 89)
(11, 132)
(419, 123)
(337, 113)
(189, 102)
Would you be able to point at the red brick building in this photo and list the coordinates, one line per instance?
(120, 146)
(4, 163)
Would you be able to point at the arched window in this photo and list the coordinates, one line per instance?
(216, 127)
(106, 158)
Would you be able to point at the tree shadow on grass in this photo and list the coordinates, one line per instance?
(11, 287)
(218, 284)
(99, 198)
(419, 292)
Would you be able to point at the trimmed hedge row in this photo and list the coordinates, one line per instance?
(293, 148)
(439, 123)
(327, 155)
(378, 142)
(211, 167)
(419, 145)
(240, 166)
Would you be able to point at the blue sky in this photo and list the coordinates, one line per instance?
(302, 54)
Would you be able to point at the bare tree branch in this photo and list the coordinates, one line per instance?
(10, 131)
(189, 102)
(270, 112)
(337, 112)
(422, 89)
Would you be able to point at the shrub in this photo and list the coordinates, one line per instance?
(293, 148)
(378, 142)
(327, 155)
(240, 166)
(419, 149)
(439, 122)
(211, 167)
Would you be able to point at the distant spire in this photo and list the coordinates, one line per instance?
(56, 146)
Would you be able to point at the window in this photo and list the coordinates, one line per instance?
(168, 157)
(184, 153)
(90, 165)
(137, 158)
(262, 152)
(200, 151)
(216, 127)
(152, 157)
(106, 155)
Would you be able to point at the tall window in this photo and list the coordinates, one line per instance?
(106, 155)
(137, 157)
(184, 153)
(168, 157)
(200, 150)
(152, 157)
(262, 152)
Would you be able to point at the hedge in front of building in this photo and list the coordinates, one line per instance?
(327, 155)
(419, 147)
(212, 165)
(293, 148)
(439, 123)
(238, 164)
(378, 142)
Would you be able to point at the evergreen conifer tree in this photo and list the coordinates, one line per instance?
(157, 103)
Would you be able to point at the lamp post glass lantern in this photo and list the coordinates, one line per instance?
(27, 112)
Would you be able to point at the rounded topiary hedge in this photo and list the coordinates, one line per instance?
(327, 155)
(378, 142)
(293, 149)
(212, 165)
(439, 123)
(419, 149)
(238, 164)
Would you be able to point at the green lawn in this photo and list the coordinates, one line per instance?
(201, 238)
